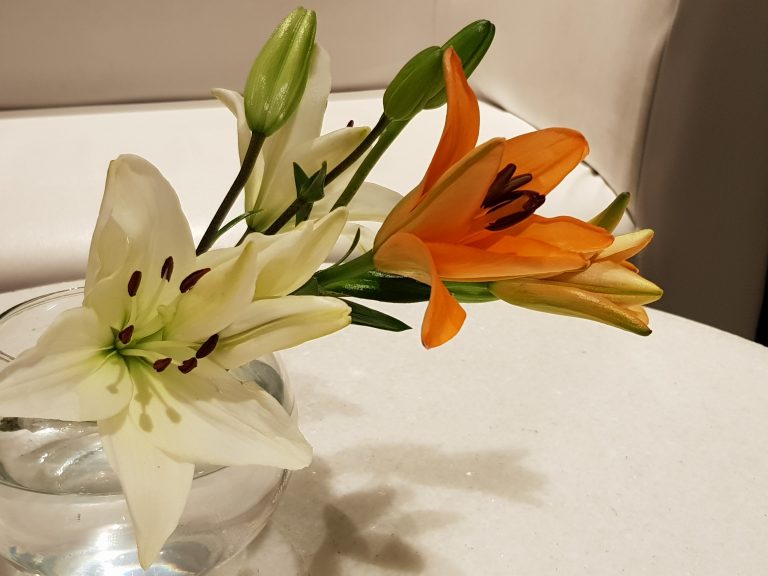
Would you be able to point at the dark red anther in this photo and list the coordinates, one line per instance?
(167, 269)
(161, 364)
(533, 201)
(188, 365)
(192, 279)
(496, 189)
(125, 334)
(133, 283)
(518, 181)
(504, 188)
(207, 347)
(350, 124)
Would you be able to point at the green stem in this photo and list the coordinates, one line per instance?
(249, 161)
(360, 150)
(291, 211)
(388, 136)
(283, 219)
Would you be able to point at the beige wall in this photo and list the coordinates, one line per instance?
(69, 52)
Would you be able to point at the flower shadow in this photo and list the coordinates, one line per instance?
(379, 523)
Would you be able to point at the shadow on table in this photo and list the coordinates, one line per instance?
(377, 525)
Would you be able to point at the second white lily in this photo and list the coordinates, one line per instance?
(270, 189)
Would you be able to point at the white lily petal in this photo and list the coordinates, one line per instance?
(43, 381)
(155, 485)
(288, 260)
(208, 416)
(276, 324)
(217, 257)
(106, 391)
(306, 122)
(234, 102)
(373, 202)
(217, 298)
(281, 187)
(140, 224)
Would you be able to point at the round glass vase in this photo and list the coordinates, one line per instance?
(61, 509)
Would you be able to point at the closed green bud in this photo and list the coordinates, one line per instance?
(471, 43)
(279, 73)
(420, 83)
(609, 218)
(414, 85)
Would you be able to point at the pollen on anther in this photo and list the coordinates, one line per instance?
(188, 365)
(162, 364)
(207, 347)
(133, 283)
(167, 269)
(125, 334)
(192, 279)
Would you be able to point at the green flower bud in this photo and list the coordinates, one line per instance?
(279, 74)
(471, 43)
(414, 85)
(420, 85)
(609, 218)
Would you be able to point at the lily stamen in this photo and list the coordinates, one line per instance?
(192, 279)
(188, 365)
(162, 364)
(532, 202)
(167, 270)
(207, 347)
(125, 334)
(133, 283)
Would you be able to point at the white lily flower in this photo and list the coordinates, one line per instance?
(271, 188)
(147, 355)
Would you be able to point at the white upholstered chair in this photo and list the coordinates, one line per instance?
(671, 95)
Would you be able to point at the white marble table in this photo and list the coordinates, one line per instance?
(530, 444)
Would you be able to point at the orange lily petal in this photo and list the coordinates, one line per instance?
(564, 232)
(462, 126)
(407, 255)
(526, 258)
(549, 155)
(448, 210)
(462, 120)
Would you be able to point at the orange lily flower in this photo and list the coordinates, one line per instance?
(471, 217)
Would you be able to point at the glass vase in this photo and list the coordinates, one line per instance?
(62, 512)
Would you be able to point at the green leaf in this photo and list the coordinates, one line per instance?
(364, 316)
(471, 292)
(375, 285)
(224, 229)
(355, 242)
(310, 288)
